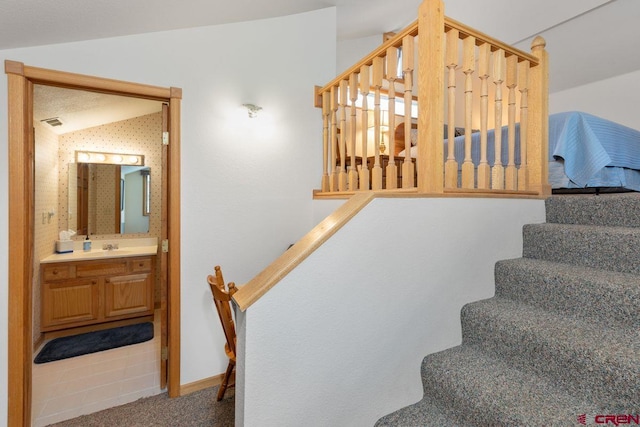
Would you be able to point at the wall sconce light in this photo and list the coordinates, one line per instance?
(252, 109)
(109, 158)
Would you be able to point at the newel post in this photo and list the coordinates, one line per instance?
(538, 127)
(430, 97)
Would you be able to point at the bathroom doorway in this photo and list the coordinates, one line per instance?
(21, 81)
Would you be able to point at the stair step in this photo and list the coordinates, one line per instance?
(609, 298)
(608, 248)
(599, 363)
(485, 391)
(616, 210)
(560, 339)
(422, 414)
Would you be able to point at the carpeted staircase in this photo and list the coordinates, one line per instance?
(560, 339)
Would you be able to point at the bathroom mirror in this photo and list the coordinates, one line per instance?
(108, 199)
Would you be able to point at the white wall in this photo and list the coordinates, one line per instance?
(246, 184)
(369, 305)
(614, 99)
(323, 208)
(353, 50)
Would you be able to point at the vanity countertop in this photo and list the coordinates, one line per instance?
(126, 248)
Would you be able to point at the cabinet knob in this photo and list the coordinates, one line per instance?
(93, 282)
(55, 272)
(141, 264)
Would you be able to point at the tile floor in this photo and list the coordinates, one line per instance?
(81, 385)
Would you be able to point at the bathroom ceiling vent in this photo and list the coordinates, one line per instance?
(54, 121)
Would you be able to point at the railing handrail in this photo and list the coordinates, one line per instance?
(484, 38)
(274, 272)
(412, 30)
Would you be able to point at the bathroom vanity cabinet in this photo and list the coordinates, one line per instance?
(92, 292)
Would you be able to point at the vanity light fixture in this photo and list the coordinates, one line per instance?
(252, 109)
(109, 158)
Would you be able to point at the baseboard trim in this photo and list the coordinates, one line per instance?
(201, 384)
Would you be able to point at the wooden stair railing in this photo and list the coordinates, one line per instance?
(469, 61)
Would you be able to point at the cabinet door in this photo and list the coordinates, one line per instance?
(127, 295)
(70, 302)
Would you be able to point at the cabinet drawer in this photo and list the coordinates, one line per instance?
(57, 272)
(103, 268)
(143, 264)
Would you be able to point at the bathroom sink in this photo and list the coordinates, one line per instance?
(115, 252)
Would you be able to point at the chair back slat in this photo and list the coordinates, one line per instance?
(222, 299)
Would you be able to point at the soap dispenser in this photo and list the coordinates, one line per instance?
(86, 245)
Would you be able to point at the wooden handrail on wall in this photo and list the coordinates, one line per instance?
(265, 280)
(515, 81)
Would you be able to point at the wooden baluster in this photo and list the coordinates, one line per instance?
(451, 165)
(511, 174)
(523, 87)
(334, 139)
(376, 173)
(407, 68)
(364, 91)
(353, 95)
(468, 67)
(484, 171)
(392, 67)
(538, 126)
(342, 175)
(431, 97)
(326, 111)
(497, 173)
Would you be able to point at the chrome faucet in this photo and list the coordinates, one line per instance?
(109, 246)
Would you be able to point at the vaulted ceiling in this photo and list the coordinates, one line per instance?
(588, 40)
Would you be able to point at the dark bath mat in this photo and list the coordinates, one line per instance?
(92, 342)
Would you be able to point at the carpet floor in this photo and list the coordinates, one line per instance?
(196, 409)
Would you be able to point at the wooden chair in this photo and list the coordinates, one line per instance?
(222, 301)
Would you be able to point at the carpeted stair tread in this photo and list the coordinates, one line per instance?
(560, 339)
(608, 248)
(486, 391)
(616, 210)
(607, 297)
(421, 414)
(586, 358)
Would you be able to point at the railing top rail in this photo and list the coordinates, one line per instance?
(481, 38)
(412, 30)
(272, 274)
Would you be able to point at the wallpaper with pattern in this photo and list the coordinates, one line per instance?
(45, 200)
(140, 135)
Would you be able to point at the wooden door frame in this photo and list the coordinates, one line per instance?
(20, 80)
